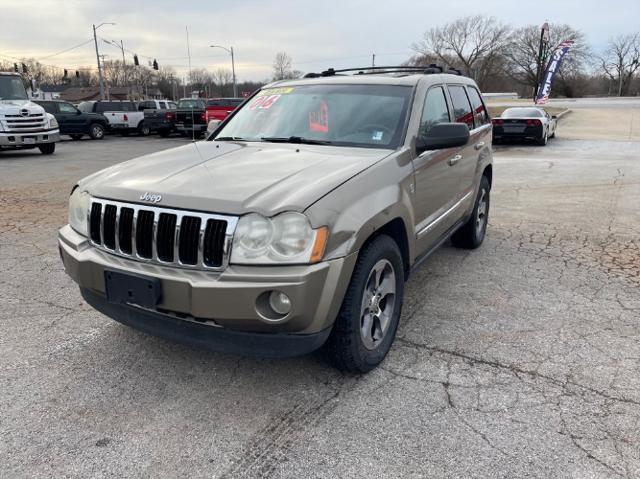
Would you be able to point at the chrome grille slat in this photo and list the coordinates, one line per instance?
(206, 235)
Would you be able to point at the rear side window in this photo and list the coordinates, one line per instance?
(172, 105)
(163, 105)
(105, 106)
(479, 110)
(435, 110)
(461, 107)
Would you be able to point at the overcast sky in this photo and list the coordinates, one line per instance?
(317, 34)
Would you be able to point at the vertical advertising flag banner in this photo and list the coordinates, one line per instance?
(544, 89)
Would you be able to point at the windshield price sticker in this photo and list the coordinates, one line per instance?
(263, 102)
(276, 91)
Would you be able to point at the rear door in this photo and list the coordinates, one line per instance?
(467, 157)
(479, 143)
(436, 176)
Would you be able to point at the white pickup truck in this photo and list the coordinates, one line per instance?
(23, 124)
(123, 116)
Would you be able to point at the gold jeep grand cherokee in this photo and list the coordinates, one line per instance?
(297, 222)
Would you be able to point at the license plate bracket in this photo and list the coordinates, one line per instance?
(27, 140)
(129, 288)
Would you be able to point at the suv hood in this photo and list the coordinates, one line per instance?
(234, 178)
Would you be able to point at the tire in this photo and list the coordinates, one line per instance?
(553, 135)
(164, 132)
(545, 138)
(472, 233)
(96, 131)
(143, 129)
(47, 148)
(76, 137)
(352, 346)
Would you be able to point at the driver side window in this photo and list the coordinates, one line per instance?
(435, 110)
(66, 108)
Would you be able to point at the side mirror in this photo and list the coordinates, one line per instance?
(212, 125)
(443, 135)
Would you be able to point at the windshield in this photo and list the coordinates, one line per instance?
(343, 115)
(190, 104)
(11, 88)
(522, 113)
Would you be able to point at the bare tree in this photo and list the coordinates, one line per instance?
(621, 60)
(282, 67)
(223, 78)
(521, 54)
(474, 44)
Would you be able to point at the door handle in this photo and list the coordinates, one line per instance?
(479, 146)
(454, 160)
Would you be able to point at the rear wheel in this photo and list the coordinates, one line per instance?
(368, 319)
(544, 139)
(47, 148)
(471, 234)
(96, 131)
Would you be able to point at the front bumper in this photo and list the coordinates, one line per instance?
(226, 301)
(20, 140)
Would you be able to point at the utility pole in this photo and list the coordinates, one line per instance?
(95, 40)
(373, 60)
(233, 68)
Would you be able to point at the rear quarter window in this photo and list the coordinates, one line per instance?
(479, 111)
(461, 107)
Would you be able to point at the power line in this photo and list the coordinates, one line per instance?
(69, 49)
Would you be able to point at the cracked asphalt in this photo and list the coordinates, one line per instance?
(519, 359)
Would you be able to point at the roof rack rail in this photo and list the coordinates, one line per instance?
(430, 69)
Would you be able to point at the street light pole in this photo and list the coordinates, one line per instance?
(544, 38)
(95, 40)
(233, 67)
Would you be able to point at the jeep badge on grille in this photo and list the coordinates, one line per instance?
(146, 196)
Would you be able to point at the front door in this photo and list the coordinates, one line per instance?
(437, 181)
(70, 119)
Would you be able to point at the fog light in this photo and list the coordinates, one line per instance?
(280, 302)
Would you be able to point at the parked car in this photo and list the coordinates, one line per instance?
(191, 118)
(123, 116)
(525, 123)
(24, 124)
(159, 116)
(297, 223)
(74, 122)
(219, 108)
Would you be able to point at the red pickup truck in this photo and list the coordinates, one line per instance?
(219, 108)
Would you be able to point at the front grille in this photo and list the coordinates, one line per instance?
(161, 235)
(25, 124)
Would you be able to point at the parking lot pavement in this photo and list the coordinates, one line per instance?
(519, 359)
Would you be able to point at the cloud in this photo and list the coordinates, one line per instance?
(316, 34)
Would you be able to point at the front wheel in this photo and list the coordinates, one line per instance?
(143, 129)
(471, 234)
(96, 131)
(47, 148)
(368, 319)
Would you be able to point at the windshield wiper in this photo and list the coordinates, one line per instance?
(229, 138)
(294, 139)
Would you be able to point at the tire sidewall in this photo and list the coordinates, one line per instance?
(382, 247)
(484, 185)
(92, 131)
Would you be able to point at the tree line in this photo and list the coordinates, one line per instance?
(502, 58)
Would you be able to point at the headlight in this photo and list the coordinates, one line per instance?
(285, 238)
(79, 210)
(53, 123)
